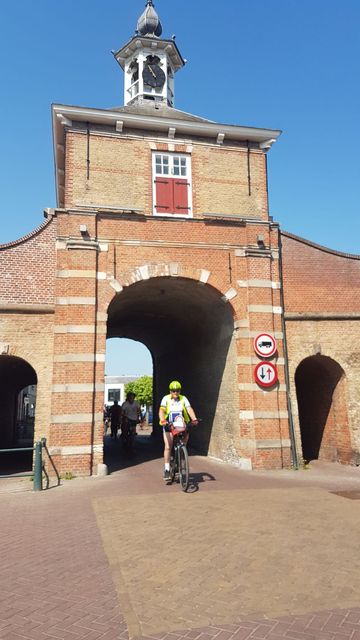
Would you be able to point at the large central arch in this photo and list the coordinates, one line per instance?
(188, 328)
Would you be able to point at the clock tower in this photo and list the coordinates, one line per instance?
(149, 62)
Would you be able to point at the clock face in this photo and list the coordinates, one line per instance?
(153, 75)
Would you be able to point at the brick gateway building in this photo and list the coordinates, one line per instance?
(162, 234)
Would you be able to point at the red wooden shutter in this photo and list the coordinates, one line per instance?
(164, 195)
(181, 196)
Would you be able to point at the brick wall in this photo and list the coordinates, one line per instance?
(27, 297)
(30, 337)
(322, 311)
(318, 280)
(27, 267)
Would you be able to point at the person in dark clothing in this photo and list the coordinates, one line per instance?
(115, 418)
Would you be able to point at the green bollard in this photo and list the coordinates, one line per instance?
(38, 467)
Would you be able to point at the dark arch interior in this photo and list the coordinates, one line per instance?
(15, 376)
(316, 379)
(187, 327)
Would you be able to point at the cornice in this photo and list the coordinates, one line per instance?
(137, 42)
(66, 114)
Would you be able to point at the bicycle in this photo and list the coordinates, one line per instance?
(179, 461)
(129, 434)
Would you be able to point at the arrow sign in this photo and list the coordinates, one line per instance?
(265, 345)
(266, 374)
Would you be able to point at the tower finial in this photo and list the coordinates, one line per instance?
(149, 23)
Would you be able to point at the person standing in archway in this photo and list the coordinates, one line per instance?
(115, 416)
(172, 405)
(131, 413)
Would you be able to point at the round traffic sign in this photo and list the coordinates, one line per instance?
(266, 374)
(265, 345)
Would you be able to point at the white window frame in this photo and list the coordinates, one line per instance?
(171, 155)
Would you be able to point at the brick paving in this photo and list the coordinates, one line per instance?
(263, 555)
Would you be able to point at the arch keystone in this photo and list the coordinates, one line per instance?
(174, 269)
(144, 272)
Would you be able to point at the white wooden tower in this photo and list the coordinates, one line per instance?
(149, 62)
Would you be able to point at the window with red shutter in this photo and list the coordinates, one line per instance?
(172, 185)
(164, 195)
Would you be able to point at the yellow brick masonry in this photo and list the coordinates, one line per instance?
(121, 175)
(130, 249)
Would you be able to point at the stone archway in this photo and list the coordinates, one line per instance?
(188, 328)
(323, 415)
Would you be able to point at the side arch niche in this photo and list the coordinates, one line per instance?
(188, 328)
(323, 411)
(18, 383)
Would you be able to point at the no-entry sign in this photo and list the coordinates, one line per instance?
(266, 374)
(265, 345)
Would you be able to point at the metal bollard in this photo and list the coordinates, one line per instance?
(38, 467)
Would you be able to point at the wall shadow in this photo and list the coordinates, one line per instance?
(322, 431)
(147, 447)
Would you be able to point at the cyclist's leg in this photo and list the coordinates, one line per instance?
(168, 443)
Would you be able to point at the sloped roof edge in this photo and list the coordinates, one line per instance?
(28, 236)
(314, 245)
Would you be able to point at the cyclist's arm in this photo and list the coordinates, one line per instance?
(162, 411)
(191, 413)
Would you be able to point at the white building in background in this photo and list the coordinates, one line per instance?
(115, 388)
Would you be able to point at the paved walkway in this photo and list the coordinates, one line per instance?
(258, 555)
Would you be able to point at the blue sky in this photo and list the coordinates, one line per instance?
(287, 64)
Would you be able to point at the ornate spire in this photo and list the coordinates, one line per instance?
(149, 23)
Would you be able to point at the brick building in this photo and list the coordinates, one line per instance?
(162, 234)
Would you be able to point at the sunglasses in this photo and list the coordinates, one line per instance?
(175, 390)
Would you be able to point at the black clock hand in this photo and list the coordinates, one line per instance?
(151, 71)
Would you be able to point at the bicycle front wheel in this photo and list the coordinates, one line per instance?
(184, 467)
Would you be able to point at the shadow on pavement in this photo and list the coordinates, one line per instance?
(147, 447)
(16, 462)
(198, 478)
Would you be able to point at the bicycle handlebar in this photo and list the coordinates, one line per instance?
(193, 423)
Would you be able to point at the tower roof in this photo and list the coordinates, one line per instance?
(149, 23)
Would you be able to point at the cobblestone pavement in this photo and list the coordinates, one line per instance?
(258, 555)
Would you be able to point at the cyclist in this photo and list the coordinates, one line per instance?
(172, 405)
(131, 413)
